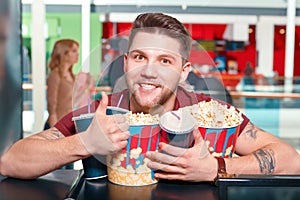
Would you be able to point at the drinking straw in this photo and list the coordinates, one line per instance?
(89, 104)
(177, 116)
(119, 102)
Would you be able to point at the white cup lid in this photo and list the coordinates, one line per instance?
(177, 121)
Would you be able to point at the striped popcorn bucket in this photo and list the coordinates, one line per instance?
(129, 166)
(221, 141)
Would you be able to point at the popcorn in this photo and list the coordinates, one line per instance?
(141, 118)
(212, 114)
(227, 154)
(134, 153)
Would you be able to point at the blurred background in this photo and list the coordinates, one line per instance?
(245, 53)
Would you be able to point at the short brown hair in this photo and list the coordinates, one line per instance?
(163, 24)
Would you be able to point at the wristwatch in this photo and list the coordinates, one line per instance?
(222, 173)
(221, 168)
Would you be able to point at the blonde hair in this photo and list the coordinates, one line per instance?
(60, 50)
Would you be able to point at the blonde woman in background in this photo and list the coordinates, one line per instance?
(61, 80)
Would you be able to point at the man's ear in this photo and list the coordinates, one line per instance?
(185, 71)
(125, 62)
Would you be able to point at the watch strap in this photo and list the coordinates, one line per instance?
(221, 165)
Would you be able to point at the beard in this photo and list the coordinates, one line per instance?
(150, 92)
(151, 102)
(146, 103)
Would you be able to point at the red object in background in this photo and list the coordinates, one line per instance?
(249, 54)
(242, 57)
(278, 61)
(252, 35)
(107, 30)
(207, 31)
(215, 32)
(123, 29)
(279, 50)
(198, 57)
(297, 61)
(231, 80)
(297, 52)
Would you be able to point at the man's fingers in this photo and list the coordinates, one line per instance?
(200, 144)
(121, 122)
(123, 126)
(161, 157)
(172, 150)
(119, 118)
(118, 122)
(120, 136)
(169, 176)
(197, 136)
(103, 104)
(165, 167)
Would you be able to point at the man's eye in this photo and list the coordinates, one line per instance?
(139, 57)
(166, 61)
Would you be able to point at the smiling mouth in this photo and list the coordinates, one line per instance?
(148, 86)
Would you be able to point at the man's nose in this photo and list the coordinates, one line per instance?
(150, 70)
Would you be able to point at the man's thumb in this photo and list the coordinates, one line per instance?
(103, 104)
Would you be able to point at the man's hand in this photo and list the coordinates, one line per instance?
(193, 164)
(106, 133)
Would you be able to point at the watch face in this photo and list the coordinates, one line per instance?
(225, 175)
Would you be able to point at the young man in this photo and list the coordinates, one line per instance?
(155, 65)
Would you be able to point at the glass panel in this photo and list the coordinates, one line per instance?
(10, 73)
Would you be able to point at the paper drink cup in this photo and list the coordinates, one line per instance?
(111, 110)
(221, 141)
(177, 128)
(94, 167)
(129, 166)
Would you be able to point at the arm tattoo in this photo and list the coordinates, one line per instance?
(251, 130)
(51, 134)
(265, 158)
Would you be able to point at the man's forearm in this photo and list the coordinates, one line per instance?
(40, 154)
(271, 159)
(266, 160)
